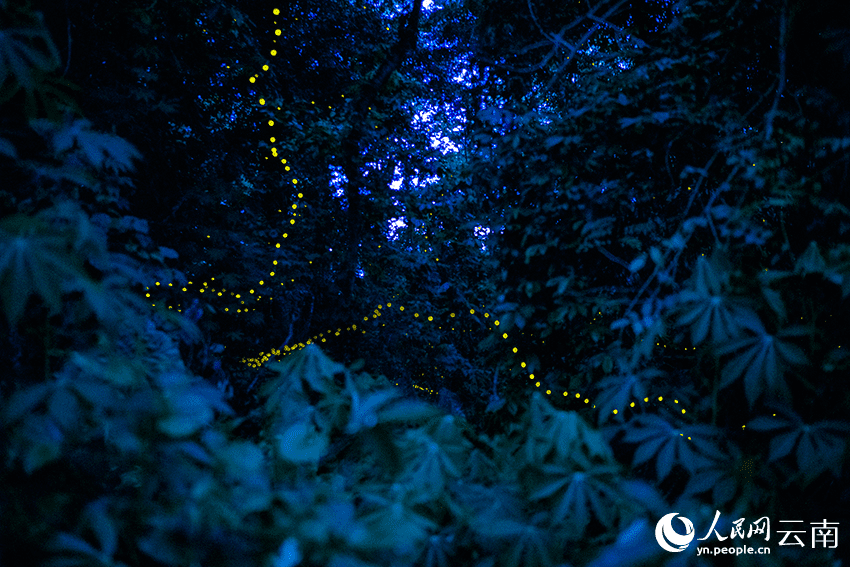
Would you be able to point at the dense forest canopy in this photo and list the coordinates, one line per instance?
(423, 283)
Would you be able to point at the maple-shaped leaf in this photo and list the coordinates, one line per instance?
(819, 446)
(34, 261)
(669, 445)
(762, 359)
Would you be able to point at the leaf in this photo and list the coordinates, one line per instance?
(288, 554)
(44, 443)
(656, 437)
(309, 365)
(553, 141)
(28, 52)
(781, 445)
(762, 365)
(70, 543)
(302, 443)
(811, 262)
(774, 300)
(637, 263)
(63, 408)
(189, 412)
(7, 148)
(364, 410)
(103, 526)
(98, 149)
(23, 401)
(33, 263)
(168, 252)
(407, 411)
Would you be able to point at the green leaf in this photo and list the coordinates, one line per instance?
(407, 411)
(7, 148)
(98, 149)
(310, 365)
(189, 412)
(811, 262)
(33, 263)
(302, 443)
(64, 408)
(365, 408)
(26, 53)
(44, 443)
(103, 526)
(288, 554)
(23, 401)
(774, 300)
(761, 363)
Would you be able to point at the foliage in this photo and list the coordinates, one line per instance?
(648, 236)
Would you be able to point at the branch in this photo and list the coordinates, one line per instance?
(408, 36)
(783, 24)
(68, 59)
(612, 257)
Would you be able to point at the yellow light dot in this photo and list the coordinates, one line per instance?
(275, 11)
(515, 349)
(261, 282)
(274, 52)
(472, 311)
(683, 411)
(277, 32)
(660, 399)
(252, 80)
(271, 122)
(486, 315)
(565, 394)
(531, 376)
(277, 245)
(300, 195)
(285, 235)
(504, 335)
(632, 405)
(615, 412)
(522, 364)
(263, 101)
(265, 67)
(274, 263)
(292, 221)
(430, 318)
(184, 289)
(147, 295)
(416, 314)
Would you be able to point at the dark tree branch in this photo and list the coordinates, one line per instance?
(408, 36)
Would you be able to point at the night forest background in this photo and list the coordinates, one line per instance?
(437, 283)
